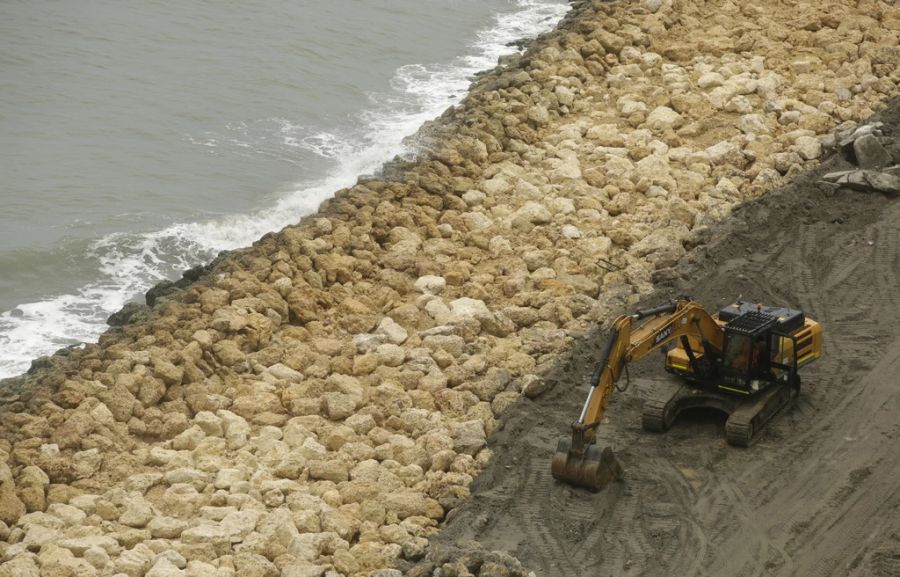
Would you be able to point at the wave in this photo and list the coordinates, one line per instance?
(128, 264)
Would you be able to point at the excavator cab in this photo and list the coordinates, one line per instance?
(758, 350)
(746, 354)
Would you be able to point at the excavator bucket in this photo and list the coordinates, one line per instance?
(593, 469)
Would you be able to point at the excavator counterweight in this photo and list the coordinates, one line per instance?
(742, 361)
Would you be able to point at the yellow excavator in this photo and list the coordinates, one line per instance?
(742, 361)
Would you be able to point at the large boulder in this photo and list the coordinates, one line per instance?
(392, 331)
(663, 118)
(11, 507)
(870, 153)
(31, 488)
(469, 437)
(409, 503)
(531, 213)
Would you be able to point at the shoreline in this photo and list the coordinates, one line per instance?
(346, 372)
(131, 263)
(432, 131)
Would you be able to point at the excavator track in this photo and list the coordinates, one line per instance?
(653, 417)
(739, 432)
(748, 420)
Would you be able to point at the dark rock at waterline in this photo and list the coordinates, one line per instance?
(160, 290)
(520, 44)
(166, 288)
(41, 362)
(131, 312)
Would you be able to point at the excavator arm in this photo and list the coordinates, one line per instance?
(579, 461)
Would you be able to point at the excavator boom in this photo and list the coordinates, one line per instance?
(579, 461)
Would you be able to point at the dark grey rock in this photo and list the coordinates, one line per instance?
(865, 180)
(130, 313)
(870, 153)
(846, 137)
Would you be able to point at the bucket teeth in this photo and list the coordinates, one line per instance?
(592, 470)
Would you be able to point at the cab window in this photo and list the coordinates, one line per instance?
(737, 353)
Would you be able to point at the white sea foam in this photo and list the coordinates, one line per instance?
(129, 264)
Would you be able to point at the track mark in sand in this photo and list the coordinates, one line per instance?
(838, 275)
(539, 517)
(846, 490)
(560, 546)
(685, 550)
(806, 280)
(576, 533)
(851, 480)
(759, 553)
(845, 531)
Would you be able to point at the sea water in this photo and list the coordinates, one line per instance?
(139, 138)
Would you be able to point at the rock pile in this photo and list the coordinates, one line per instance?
(866, 147)
(316, 404)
